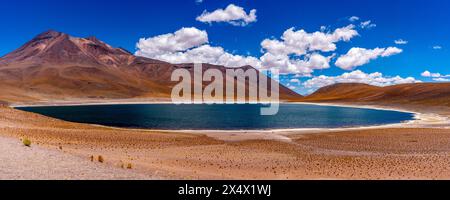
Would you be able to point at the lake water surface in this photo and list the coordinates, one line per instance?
(221, 117)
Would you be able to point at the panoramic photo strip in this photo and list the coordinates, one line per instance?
(204, 90)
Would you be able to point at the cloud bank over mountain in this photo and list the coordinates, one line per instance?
(232, 14)
(296, 52)
(376, 79)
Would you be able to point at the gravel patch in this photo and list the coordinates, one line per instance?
(19, 162)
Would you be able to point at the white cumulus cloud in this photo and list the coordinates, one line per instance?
(296, 52)
(429, 74)
(288, 65)
(190, 45)
(232, 14)
(401, 42)
(181, 40)
(295, 81)
(356, 56)
(376, 79)
(353, 18)
(367, 24)
(441, 79)
(438, 77)
(285, 53)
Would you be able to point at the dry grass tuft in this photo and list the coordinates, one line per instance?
(101, 159)
(26, 142)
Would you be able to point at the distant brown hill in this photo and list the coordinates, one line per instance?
(425, 94)
(56, 66)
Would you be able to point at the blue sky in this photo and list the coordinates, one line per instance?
(423, 24)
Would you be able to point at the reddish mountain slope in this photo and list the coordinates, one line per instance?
(431, 94)
(56, 66)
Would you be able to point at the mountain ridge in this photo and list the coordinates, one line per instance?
(57, 66)
(423, 94)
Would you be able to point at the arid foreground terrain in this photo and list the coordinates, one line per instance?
(372, 153)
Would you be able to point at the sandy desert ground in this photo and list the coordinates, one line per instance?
(410, 151)
(23, 163)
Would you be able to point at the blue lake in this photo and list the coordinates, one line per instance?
(221, 117)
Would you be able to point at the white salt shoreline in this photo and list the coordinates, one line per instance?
(421, 120)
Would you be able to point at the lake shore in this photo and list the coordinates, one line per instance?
(414, 151)
(422, 118)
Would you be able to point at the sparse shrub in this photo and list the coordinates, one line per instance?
(101, 159)
(26, 142)
(129, 166)
(92, 158)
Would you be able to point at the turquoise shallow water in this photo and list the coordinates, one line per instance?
(221, 117)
